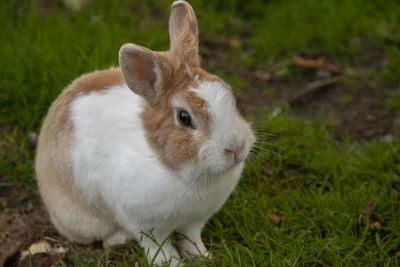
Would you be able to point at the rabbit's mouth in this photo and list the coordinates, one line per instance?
(231, 168)
(222, 165)
(216, 158)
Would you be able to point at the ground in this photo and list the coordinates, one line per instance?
(322, 186)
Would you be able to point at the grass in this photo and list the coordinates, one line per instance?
(317, 184)
(332, 28)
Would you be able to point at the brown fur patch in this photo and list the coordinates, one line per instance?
(198, 106)
(95, 81)
(57, 129)
(53, 168)
(174, 144)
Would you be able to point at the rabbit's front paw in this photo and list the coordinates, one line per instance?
(117, 238)
(165, 256)
(189, 242)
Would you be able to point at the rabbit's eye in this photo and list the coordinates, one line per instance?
(184, 117)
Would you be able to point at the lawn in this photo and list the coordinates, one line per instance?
(322, 185)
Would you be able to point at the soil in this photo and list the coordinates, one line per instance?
(23, 221)
(356, 113)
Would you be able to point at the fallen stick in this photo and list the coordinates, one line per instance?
(313, 87)
(267, 75)
(279, 65)
(319, 63)
(319, 83)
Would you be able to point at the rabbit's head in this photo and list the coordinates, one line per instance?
(190, 116)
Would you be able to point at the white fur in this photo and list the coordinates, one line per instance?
(113, 162)
(227, 128)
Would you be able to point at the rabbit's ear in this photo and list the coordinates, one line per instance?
(141, 70)
(183, 32)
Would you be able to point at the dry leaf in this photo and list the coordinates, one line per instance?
(42, 247)
(276, 219)
(264, 76)
(235, 42)
(373, 217)
(374, 225)
(32, 138)
(369, 211)
(39, 247)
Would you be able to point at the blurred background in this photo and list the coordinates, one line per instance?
(320, 79)
(246, 42)
(269, 51)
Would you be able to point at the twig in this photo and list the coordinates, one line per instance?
(319, 83)
(279, 65)
(316, 86)
(319, 63)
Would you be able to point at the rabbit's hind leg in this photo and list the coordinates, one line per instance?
(77, 223)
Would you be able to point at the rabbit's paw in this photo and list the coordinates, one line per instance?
(117, 238)
(165, 256)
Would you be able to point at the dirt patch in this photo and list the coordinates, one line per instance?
(23, 222)
(355, 110)
(19, 230)
(358, 114)
(17, 198)
(28, 238)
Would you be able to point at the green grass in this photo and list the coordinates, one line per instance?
(329, 27)
(317, 184)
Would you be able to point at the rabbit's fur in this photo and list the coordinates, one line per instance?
(115, 165)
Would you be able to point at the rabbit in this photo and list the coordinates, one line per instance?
(145, 150)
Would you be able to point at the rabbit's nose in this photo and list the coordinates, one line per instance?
(233, 150)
